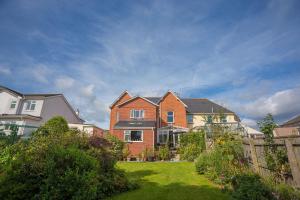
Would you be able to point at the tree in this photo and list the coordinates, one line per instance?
(275, 157)
(267, 125)
(54, 126)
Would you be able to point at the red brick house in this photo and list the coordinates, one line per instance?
(144, 122)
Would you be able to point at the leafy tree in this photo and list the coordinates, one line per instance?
(117, 146)
(275, 157)
(267, 125)
(56, 125)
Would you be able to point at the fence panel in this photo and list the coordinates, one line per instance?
(254, 152)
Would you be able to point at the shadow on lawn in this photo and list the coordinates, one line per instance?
(138, 175)
(175, 191)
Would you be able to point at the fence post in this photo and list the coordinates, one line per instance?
(254, 156)
(293, 162)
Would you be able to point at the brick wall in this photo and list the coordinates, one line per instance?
(114, 110)
(136, 148)
(171, 103)
(138, 104)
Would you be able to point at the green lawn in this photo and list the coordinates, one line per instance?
(165, 180)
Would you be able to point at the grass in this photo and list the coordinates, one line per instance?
(166, 180)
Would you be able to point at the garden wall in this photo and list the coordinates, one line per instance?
(254, 152)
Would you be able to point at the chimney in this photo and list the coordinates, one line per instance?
(77, 111)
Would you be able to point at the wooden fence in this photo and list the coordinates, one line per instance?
(254, 152)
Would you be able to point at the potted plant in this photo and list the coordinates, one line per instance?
(150, 155)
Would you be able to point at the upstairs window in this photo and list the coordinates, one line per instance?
(170, 117)
(30, 105)
(133, 136)
(223, 118)
(13, 104)
(190, 118)
(209, 119)
(137, 114)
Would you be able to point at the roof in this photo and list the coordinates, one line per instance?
(41, 95)
(293, 122)
(286, 131)
(27, 95)
(133, 98)
(19, 116)
(10, 90)
(123, 93)
(135, 124)
(204, 106)
(199, 105)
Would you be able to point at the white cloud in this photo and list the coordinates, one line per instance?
(64, 82)
(40, 73)
(5, 70)
(279, 104)
(150, 50)
(88, 91)
(250, 122)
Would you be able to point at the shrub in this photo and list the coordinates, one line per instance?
(282, 191)
(164, 153)
(117, 146)
(60, 166)
(223, 161)
(73, 173)
(202, 163)
(191, 145)
(286, 192)
(126, 152)
(56, 125)
(249, 187)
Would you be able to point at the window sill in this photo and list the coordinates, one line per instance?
(134, 141)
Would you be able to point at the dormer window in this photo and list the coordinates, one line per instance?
(137, 114)
(13, 104)
(30, 105)
(170, 117)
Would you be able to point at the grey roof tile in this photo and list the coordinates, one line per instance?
(195, 105)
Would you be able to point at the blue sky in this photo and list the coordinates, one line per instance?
(242, 54)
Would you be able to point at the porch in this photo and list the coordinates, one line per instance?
(170, 135)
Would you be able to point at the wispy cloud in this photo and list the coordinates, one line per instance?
(243, 56)
(5, 70)
(64, 82)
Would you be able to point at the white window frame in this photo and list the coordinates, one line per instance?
(133, 112)
(173, 115)
(128, 132)
(13, 102)
(224, 120)
(29, 105)
(162, 133)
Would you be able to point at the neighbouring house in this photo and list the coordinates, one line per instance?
(144, 122)
(89, 129)
(251, 132)
(289, 128)
(29, 111)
